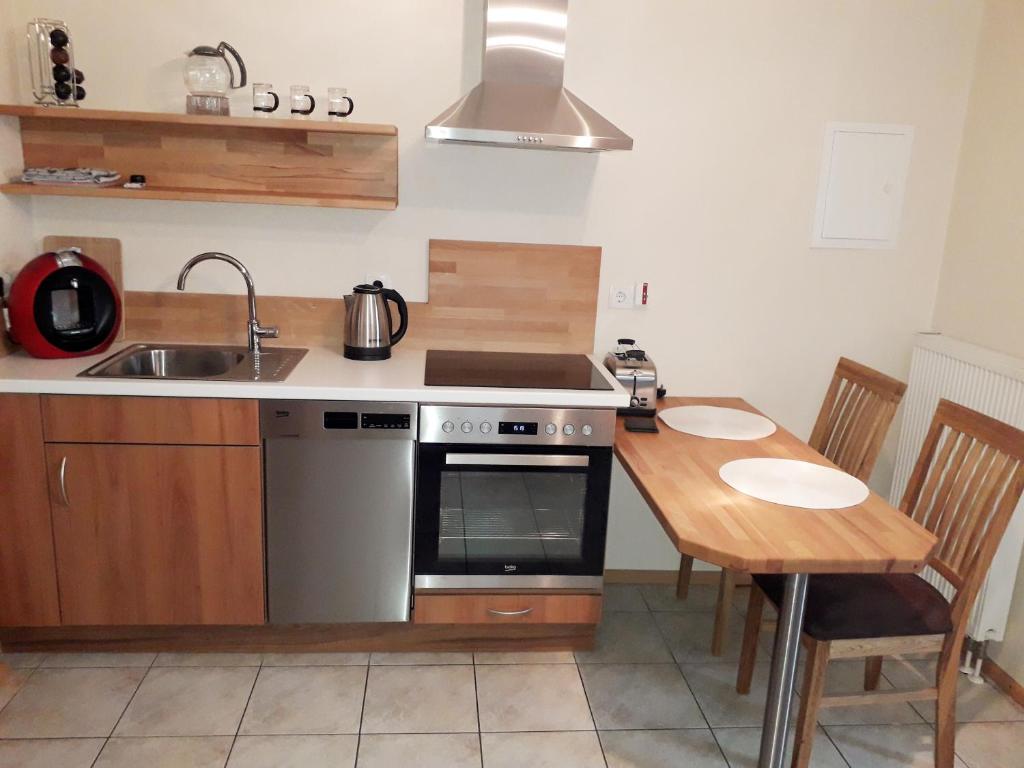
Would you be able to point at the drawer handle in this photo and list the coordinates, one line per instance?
(523, 612)
(63, 482)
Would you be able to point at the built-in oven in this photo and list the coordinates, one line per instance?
(512, 498)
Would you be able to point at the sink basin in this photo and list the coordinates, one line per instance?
(197, 362)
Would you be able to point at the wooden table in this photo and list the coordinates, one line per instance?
(705, 518)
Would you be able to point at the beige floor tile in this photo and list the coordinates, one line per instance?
(626, 638)
(78, 660)
(654, 749)
(689, 636)
(60, 703)
(419, 659)
(623, 597)
(662, 597)
(431, 699)
(11, 683)
(990, 745)
(49, 753)
(208, 660)
(315, 659)
(848, 677)
(714, 686)
(22, 660)
(177, 752)
(525, 657)
(888, 746)
(294, 752)
(176, 701)
(975, 702)
(305, 700)
(579, 749)
(428, 750)
(742, 747)
(532, 697)
(640, 696)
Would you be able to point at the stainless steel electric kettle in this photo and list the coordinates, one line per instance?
(368, 328)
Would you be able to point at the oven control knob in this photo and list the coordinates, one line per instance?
(447, 426)
(568, 430)
(467, 427)
(588, 430)
(551, 429)
(486, 427)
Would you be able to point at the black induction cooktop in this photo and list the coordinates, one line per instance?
(519, 370)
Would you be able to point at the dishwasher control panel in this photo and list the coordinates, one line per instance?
(329, 420)
(386, 421)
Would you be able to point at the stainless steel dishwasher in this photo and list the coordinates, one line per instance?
(339, 501)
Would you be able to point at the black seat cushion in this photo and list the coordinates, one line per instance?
(854, 606)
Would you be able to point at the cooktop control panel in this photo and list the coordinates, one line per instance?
(516, 426)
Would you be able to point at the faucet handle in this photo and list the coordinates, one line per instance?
(267, 332)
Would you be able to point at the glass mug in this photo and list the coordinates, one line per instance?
(302, 100)
(338, 102)
(264, 100)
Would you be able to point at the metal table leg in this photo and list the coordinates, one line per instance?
(783, 677)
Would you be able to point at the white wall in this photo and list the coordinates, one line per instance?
(983, 271)
(15, 227)
(727, 101)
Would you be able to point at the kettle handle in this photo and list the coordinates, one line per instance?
(390, 294)
(241, 64)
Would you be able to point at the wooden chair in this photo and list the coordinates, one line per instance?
(964, 489)
(854, 419)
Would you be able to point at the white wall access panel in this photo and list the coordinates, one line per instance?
(860, 193)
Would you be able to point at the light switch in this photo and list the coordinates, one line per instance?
(860, 193)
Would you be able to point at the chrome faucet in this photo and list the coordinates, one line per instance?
(256, 331)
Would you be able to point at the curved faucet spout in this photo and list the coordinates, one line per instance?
(256, 332)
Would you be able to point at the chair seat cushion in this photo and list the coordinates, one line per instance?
(853, 606)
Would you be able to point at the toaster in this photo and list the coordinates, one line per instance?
(635, 371)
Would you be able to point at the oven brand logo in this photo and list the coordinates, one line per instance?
(511, 568)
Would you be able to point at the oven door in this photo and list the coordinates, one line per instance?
(511, 516)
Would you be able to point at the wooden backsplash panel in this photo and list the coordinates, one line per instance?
(483, 296)
(509, 297)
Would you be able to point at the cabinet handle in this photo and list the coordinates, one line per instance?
(523, 612)
(63, 482)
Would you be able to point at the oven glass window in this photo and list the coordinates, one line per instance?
(511, 516)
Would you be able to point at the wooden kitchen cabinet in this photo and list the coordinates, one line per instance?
(28, 582)
(157, 534)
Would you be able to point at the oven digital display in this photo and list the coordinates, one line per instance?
(517, 427)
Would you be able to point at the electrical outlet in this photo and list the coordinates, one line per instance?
(384, 277)
(620, 298)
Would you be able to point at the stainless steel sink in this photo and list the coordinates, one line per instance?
(196, 362)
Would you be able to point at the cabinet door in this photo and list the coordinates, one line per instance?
(28, 580)
(155, 534)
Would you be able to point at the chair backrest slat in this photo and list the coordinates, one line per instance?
(855, 416)
(964, 489)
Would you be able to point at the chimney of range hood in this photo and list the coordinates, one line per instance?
(522, 101)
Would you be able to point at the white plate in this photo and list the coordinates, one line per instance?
(794, 483)
(720, 423)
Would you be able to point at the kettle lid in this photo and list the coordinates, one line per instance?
(206, 50)
(377, 287)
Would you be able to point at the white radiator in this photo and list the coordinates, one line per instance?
(993, 384)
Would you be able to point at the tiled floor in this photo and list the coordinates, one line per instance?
(649, 695)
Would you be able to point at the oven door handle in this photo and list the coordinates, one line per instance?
(517, 460)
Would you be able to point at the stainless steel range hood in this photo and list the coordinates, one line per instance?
(521, 101)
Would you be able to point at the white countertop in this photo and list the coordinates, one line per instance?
(323, 374)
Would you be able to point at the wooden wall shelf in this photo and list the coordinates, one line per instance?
(211, 158)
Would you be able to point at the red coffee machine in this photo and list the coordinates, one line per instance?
(64, 304)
